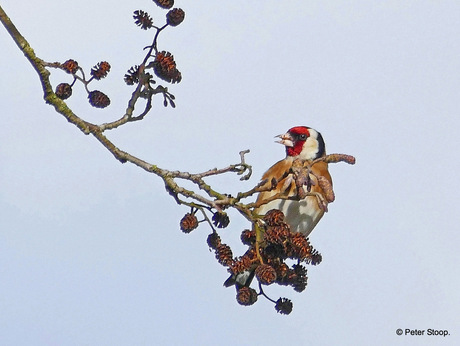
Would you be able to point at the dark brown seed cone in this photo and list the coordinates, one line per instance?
(300, 270)
(175, 16)
(288, 278)
(274, 217)
(299, 282)
(246, 296)
(220, 219)
(100, 70)
(224, 254)
(252, 255)
(277, 234)
(164, 3)
(245, 262)
(300, 247)
(248, 237)
(132, 76)
(63, 91)
(273, 252)
(164, 67)
(282, 271)
(266, 274)
(315, 258)
(98, 99)
(188, 223)
(240, 265)
(70, 66)
(299, 285)
(143, 19)
(283, 306)
(213, 240)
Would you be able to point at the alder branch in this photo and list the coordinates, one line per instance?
(217, 200)
(203, 196)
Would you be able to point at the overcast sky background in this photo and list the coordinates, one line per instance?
(90, 250)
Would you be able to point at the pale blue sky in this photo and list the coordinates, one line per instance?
(90, 250)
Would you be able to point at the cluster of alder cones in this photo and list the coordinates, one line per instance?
(271, 244)
(163, 64)
(265, 258)
(96, 98)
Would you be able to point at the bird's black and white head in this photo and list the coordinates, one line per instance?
(303, 143)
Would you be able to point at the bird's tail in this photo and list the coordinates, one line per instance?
(243, 279)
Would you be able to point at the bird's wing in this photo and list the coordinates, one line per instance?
(321, 169)
(280, 172)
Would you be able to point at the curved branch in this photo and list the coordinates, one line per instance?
(205, 198)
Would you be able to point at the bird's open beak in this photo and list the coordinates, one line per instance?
(286, 140)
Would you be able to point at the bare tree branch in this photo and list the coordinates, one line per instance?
(270, 240)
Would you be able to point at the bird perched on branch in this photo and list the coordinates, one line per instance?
(299, 185)
(303, 144)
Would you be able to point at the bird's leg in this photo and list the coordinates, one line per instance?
(309, 178)
(301, 171)
(322, 202)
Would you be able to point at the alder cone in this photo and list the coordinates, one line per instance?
(301, 247)
(246, 296)
(274, 217)
(100, 70)
(63, 91)
(188, 223)
(220, 219)
(224, 254)
(248, 237)
(277, 234)
(164, 67)
(175, 16)
(143, 19)
(283, 306)
(266, 274)
(98, 99)
(213, 240)
(164, 3)
(70, 66)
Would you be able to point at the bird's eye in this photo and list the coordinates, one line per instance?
(302, 137)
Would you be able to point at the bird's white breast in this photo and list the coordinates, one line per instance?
(302, 216)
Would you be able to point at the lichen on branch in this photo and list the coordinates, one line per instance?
(269, 238)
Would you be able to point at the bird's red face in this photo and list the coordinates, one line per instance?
(303, 142)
